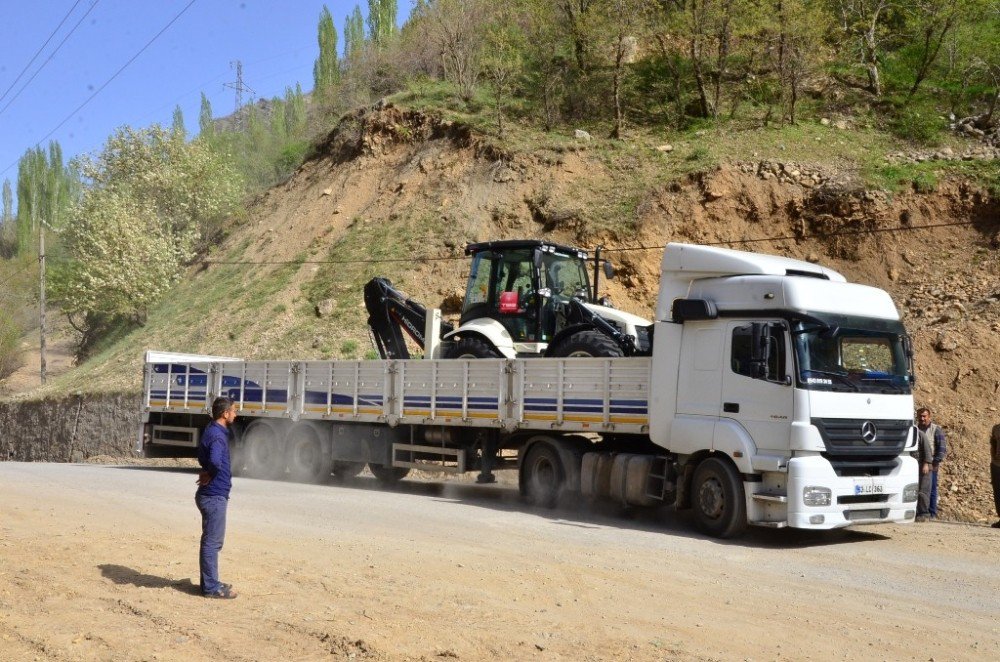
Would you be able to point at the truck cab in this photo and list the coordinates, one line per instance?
(797, 381)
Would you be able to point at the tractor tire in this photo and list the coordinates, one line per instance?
(717, 496)
(587, 344)
(472, 348)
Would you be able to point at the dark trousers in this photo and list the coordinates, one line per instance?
(213, 535)
(995, 479)
(924, 493)
(932, 507)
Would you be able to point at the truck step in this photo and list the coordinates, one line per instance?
(429, 458)
(771, 497)
(770, 525)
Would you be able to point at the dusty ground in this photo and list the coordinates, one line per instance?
(100, 563)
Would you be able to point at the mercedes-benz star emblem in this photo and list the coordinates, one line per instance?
(869, 432)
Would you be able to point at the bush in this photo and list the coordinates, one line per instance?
(920, 125)
(10, 355)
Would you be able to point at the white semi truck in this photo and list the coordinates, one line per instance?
(775, 394)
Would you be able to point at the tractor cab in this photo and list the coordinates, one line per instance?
(521, 295)
(518, 283)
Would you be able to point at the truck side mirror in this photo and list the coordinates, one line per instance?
(609, 270)
(536, 259)
(760, 350)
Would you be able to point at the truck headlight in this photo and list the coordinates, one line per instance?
(816, 496)
(910, 493)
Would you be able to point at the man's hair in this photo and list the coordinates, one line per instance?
(220, 406)
(922, 410)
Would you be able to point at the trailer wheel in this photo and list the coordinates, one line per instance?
(344, 469)
(717, 496)
(542, 476)
(388, 475)
(262, 451)
(472, 348)
(306, 460)
(586, 344)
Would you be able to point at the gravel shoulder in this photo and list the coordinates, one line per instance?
(100, 562)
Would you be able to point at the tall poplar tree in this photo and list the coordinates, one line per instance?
(178, 123)
(354, 34)
(8, 204)
(381, 21)
(326, 70)
(206, 127)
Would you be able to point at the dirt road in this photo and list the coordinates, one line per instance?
(101, 563)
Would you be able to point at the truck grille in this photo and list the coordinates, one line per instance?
(863, 447)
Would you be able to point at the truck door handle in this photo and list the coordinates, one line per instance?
(731, 407)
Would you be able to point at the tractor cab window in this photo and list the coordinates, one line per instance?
(513, 280)
(478, 291)
(565, 276)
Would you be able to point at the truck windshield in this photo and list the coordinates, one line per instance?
(852, 354)
(565, 275)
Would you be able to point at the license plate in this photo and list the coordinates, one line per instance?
(868, 488)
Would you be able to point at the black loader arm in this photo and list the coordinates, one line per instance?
(390, 312)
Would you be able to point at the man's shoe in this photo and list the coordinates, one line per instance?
(922, 518)
(996, 525)
(224, 593)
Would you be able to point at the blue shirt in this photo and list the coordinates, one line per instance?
(213, 456)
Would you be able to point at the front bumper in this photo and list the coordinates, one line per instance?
(854, 500)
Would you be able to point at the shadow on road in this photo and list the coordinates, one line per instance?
(120, 574)
(587, 514)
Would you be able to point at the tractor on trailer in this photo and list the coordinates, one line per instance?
(775, 394)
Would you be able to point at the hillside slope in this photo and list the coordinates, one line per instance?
(398, 193)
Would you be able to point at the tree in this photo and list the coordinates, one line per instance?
(930, 22)
(796, 39)
(206, 127)
(8, 203)
(862, 21)
(46, 188)
(617, 26)
(381, 21)
(502, 62)
(150, 199)
(326, 70)
(354, 35)
(177, 126)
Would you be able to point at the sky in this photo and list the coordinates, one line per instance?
(196, 52)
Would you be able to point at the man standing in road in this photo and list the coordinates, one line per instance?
(995, 469)
(931, 452)
(212, 497)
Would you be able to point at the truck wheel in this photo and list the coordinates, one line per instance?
(542, 476)
(388, 475)
(262, 452)
(306, 460)
(472, 348)
(720, 508)
(343, 469)
(587, 344)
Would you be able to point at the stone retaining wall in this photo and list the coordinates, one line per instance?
(70, 428)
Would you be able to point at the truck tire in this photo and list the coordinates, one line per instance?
(591, 343)
(306, 458)
(388, 475)
(343, 469)
(262, 451)
(542, 476)
(472, 348)
(717, 498)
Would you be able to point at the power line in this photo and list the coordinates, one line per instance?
(822, 235)
(108, 82)
(40, 49)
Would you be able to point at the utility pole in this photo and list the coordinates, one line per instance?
(240, 88)
(41, 295)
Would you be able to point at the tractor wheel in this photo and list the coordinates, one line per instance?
(587, 344)
(472, 348)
